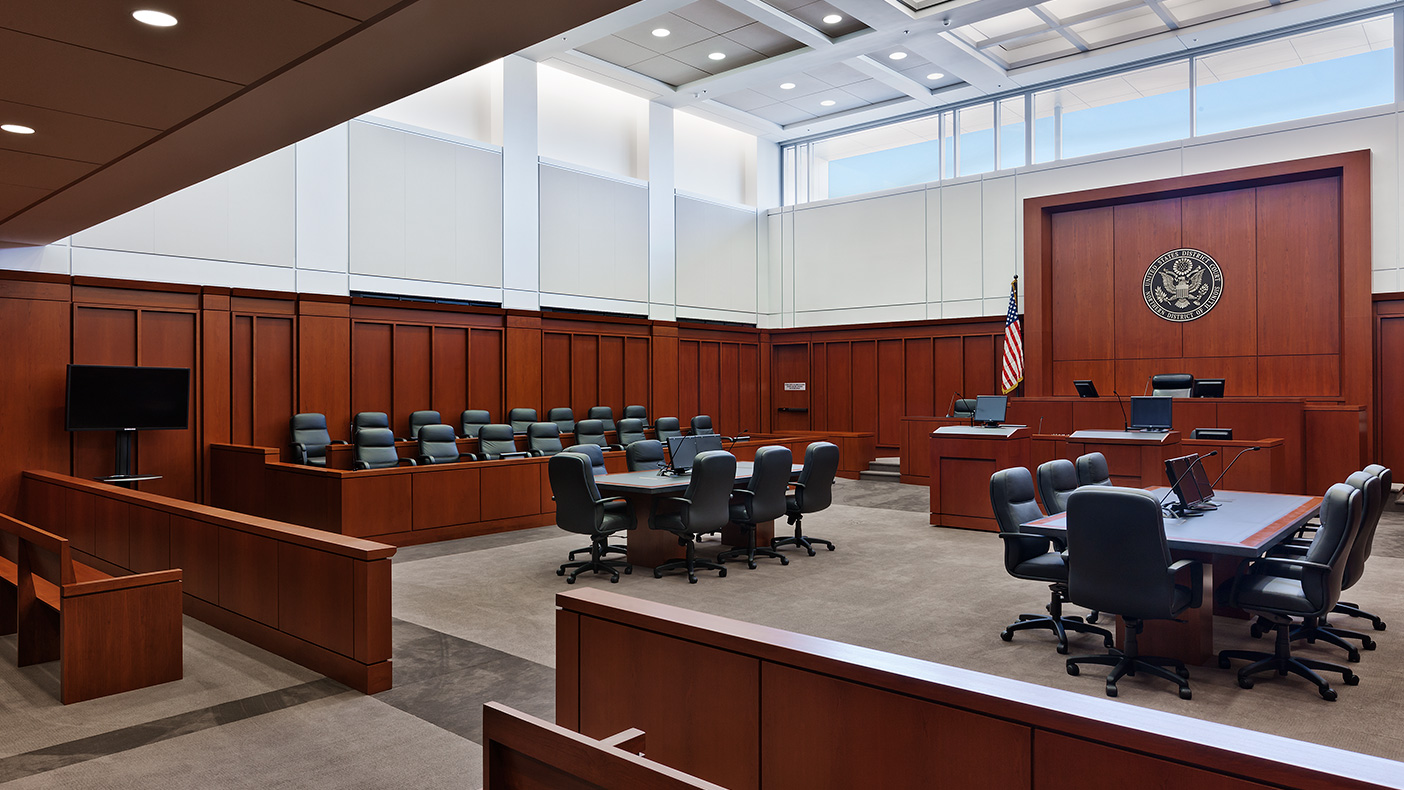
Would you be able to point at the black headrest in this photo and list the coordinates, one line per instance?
(667, 424)
(437, 433)
(495, 433)
(589, 427)
(371, 419)
(560, 413)
(631, 425)
(636, 411)
(375, 437)
(311, 421)
(476, 416)
(541, 430)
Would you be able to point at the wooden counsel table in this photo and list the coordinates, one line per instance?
(1246, 524)
(653, 547)
(963, 458)
(1135, 458)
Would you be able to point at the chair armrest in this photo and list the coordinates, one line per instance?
(1021, 536)
(1196, 579)
(1283, 562)
(299, 452)
(469, 457)
(425, 460)
(408, 461)
(359, 465)
(340, 441)
(516, 454)
(534, 453)
(614, 447)
(797, 484)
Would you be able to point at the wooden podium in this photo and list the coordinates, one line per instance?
(1135, 458)
(962, 460)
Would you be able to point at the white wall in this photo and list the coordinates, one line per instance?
(594, 240)
(715, 161)
(467, 106)
(592, 125)
(717, 257)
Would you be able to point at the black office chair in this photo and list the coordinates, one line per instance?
(544, 438)
(604, 414)
(1176, 385)
(375, 449)
(636, 413)
(419, 419)
(631, 430)
(1092, 470)
(813, 493)
(496, 442)
(703, 507)
(1056, 480)
(763, 499)
(310, 439)
(595, 456)
(1281, 588)
(1033, 557)
(644, 456)
(666, 427)
(563, 417)
(437, 445)
(368, 419)
(1121, 564)
(519, 419)
(963, 408)
(702, 425)
(472, 421)
(1386, 476)
(593, 432)
(581, 509)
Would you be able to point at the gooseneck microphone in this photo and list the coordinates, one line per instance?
(1125, 423)
(1231, 463)
(950, 410)
(1180, 511)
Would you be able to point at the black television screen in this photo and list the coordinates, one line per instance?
(1201, 479)
(683, 449)
(109, 398)
(1151, 413)
(1208, 388)
(1182, 480)
(990, 409)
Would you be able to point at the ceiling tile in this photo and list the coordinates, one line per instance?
(786, 5)
(665, 69)
(14, 197)
(841, 99)
(680, 34)
(616, 50)
(698, 55)
(713, 15)
(764, 40)
(912, 60)
(813, 14)
(836, 74)
(41, 172)
(358, 9)
(783, 114)
(69, 136)
(1105, 31)
(804, 85)
(746, 100)
(873, 91)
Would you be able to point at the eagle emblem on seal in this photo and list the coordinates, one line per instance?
(1183, 285)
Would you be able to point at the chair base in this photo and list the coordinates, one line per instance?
(799, 539)
(1283, 662)
(1354, 610)
(595, 565)
(690, 563)
(1127, 662)
(1058, 625)
(750, 551)
(611, 549)
(1314, 630)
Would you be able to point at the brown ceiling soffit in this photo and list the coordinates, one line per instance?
(420, 45)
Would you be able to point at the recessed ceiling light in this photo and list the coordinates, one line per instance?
(935, 75)
(717, 55)
(154, 18)
(14, 128)
(785, 86)
(827, 103)
(897, 55)
(833, 19)
(661, 32)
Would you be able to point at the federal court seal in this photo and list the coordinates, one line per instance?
(1183, 285)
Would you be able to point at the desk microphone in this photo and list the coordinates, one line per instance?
(1180, 510)
(950, 410)
(1148, 383)
(1125, 423)
(1040, 425)
(1231, 463)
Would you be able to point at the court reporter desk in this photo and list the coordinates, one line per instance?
(963, 458)
(1135, 458)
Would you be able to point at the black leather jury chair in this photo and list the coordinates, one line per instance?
(368, 419)
(644, 456)
(597, 468)
(419, 419)
(310, 439)
(703, 507)
(472, 421)
(1092, 470)
(1176, 385)
(763, 499)
(496, 442)
(593, 432)
(563, 417)
(1386, 476)
(1282, 588)
(631, 430)
(1120, 563)
(1056, 480)
(666, 427)
(604, 414)
(813, 493)
(963, 408)
(702, 425)
(437, 445)
(636, 413)
(581, 509)
(519, 419)
(544, 438)
(1033, 557)
(375, 449)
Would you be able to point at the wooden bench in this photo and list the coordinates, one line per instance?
(110, 634)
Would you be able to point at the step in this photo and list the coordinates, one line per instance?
(885, 477)
(885, 464)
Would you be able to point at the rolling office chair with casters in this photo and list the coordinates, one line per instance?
(1057, 479)
(1176, 385)
(703, 507)
(310, 439)
(763, 499)
(644, 456)
(597, 468)
(593, 432)
(419, 419)
(520, 419)
(813, 493)
(437, 445)
(602, 413)
(631, 430)
(1121, 564)
(1029, 557)
(667, 427)
(964, 408)
(581, 509)
(1283, 588)
(594, 452)
(1386, 476)
(472, 421)
(368, 419)
(496, 442)
(636, 413)
(563, 417)
(1092, 470)
(375, 449)
(702, 425)
(544, 438)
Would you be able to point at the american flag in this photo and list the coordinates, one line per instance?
(1013, 344)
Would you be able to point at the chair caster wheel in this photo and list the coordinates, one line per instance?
(1073, 670)
(1186, 694)
(1006, 636)
(1368, 643)
(1109, 644)
(721, 574)
(1353, 656)
(1255, 631)
(657, 574)
(751, 565)
(784, 561)
(1062, 650)
(1352, 680)
(1092, 618)
(1245, 683)
(692, 580)
(1328, 694)
(571, 580)
(1183, 672)
(1111, 690)
(831, 548)
(1380, 626)
(629, 571)
(1224, 663)
(560, 572)
(811, 552)
(614, 579)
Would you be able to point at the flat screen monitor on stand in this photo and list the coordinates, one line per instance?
(683, 449)
(1190, 484)
(1085, 388)
(990, 410)
(1208, 388)
(127, 399)
(1150, 413)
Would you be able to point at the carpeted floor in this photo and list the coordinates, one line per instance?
(474, 622)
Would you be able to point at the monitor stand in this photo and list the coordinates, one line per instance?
(126, 475)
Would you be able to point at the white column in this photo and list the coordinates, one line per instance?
(323, 248)
(662, 215)
(521, 187)
(766, 188)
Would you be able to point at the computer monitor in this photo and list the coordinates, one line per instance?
(1201, 479)
(1085, 388)
(1208, 388)
(990, 409)
(1150, 413)
(683, 449)
(1182, 480)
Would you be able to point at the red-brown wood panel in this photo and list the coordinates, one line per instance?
(195, 550)
(509, 488)
(149, 539)
(248, 575)
(312, 590)
(981, 371)
(918, 378)
(1222, 224)
(372, 371)
(729, 402)
(1317, 374)
(1144, 232)
(792, 364)
(748, 387)
(1390, 407)
(485, 388)
(1101, 372)
(819, 386)
(1119, 768)
(101, 336)
(450, 372)
(1082, 265)
(521, 364)
(169, 340)
(891, 377)
(412, 377)
(110, 524)
(948, 366)
(872, 408)
(687, 380)
(636, 375)
(611, 377)
(1299, 268)
(33, 390)
(79, 524)
(324, 370)
(241, 376)
(584, 374)
(709, 383)
(274, 379)
(839, 387)
(556, 372)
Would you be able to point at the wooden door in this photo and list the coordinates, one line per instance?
(791, 388)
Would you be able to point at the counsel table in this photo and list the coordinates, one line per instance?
(1246, 524)
(653, 547)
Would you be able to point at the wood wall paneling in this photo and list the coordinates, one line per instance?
(412, 374)
(1224, 225)
(449, 373)
(1082, 261)
(274, 379)
(324, 371)
(1299, 267)
(37, 326)
(709, 385)
(241, 366)
(791, 363)
(521, 364)
(372, 365)
(101, 336)
(879, 376)
(688, 390)
(1143, 231)
(748, 387)
(982, 364)
(637, 375)
(556, 361)
(585, 375)
(611, 375)
(485, 366)
(1390, 398)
